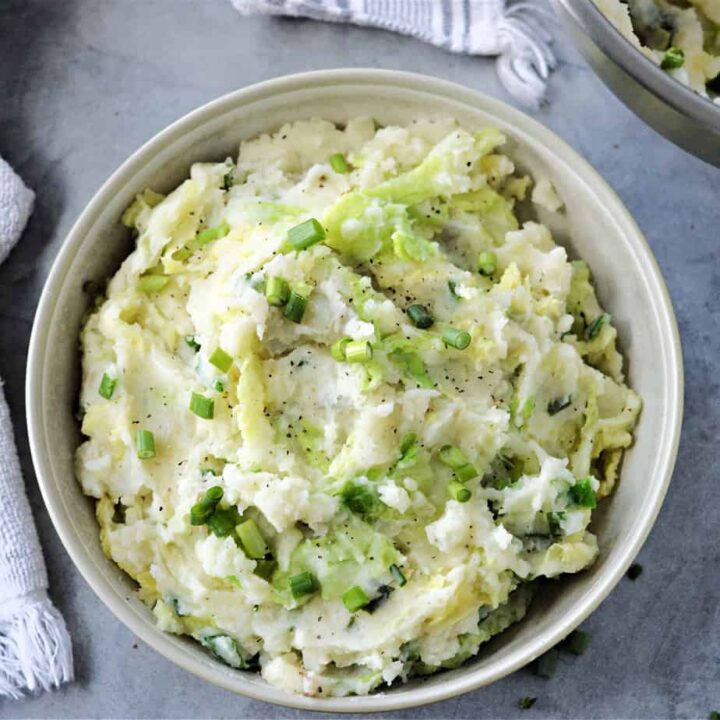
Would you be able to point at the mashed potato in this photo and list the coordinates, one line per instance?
(342, 408)
(683, 37)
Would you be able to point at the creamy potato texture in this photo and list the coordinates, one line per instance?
(342, 407)
(682, 36)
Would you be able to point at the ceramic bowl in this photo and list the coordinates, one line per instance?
(667, 105)
(595, 226)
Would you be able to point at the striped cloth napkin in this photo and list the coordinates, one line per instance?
(516, 32)
(35, 651)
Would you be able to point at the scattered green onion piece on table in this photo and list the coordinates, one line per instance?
(577, 642)
(635, 571)
(673, 59)
(145, 443)
(459, 339)
(355, 598)
(152, 283)
(358, 351)
(526, 703)
(583, 494)
(252, 540)
(420, 317)
(306, 234)
(487, 263)
(398, 575)
(221, 360)
(459, 492)
(202, 406)
(295, 308)
(339, 164)
(338, 349)
(277, 291)
(191, 342)
(302, 584)
(547, 664)
(211, 234)
(107, 386)
(594, 328)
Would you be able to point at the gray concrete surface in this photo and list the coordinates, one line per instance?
(84, 83)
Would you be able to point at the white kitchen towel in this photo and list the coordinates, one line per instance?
(517, 32)
(35, 651)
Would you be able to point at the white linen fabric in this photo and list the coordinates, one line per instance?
(35, 650)
(517, 32)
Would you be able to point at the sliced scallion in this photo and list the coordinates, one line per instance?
(673, 59)
(211, 234)
(458, 491)
(277, 291)
(145, 444)
(191, 342)
(338, 349)
(203, 407)
(459, 339)
(397, 574)
(339, 164)
(295, 308)
(302, 584)
(577, 642)
(487, 263)
(594, 328)
(358, 351)
(355, 598)
(220, 359)
(306, 234)
(152, 283)
(583, 494)
(107, 386)
(252, 540)
(420, 317)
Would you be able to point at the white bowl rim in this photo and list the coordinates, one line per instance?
(420, 695)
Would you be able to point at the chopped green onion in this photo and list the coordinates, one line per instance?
(211, 234)
(338, 349)
(576, 642)
(228, 179)
(526, 703)
(594, 328)
(295, 308)
(358, 351)
(420, 316)
(339, 164)
(673, 59)
(407, 442)
(212, 496)
(302, 584)
(458, 491)
(714, 715)
(191, 342)
(277, 291)
(487, 263)
(451, 287)
(257, 283)
(459, 339)
(202, 406)
(265, 568)
(252, 540)
(555, 406)
(306, 234)
(547, 664)
(145, 443)
(583, 494)
(152, 283)
(220, 359)
(397, 574)
(358, 498)
(219, 386)
(355, 598)
(635, 571)
(223, 521)
(553, 520)
(199, 514)
(107, 386)
(454, 458)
